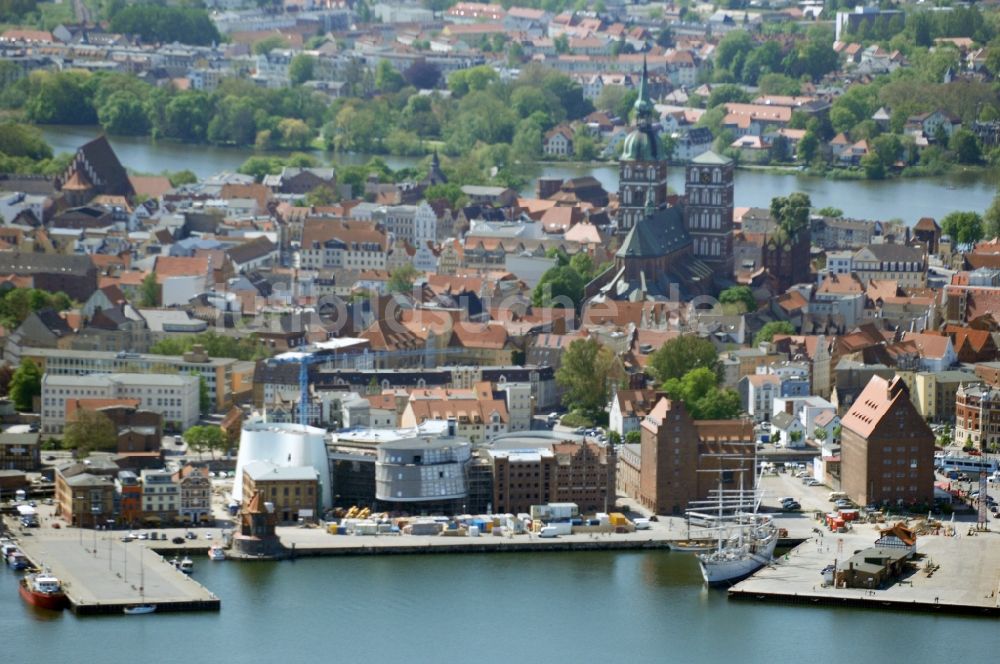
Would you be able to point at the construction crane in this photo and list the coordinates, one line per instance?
(344, 350)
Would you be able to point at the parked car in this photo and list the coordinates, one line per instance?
(178, 540)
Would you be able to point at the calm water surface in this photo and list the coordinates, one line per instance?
(908, 199)
(585, 607)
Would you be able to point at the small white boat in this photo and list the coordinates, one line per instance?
(139, 609)
(216, 553)
(186, 565)
(142, 607)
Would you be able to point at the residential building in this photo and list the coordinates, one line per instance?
(520, 404)
(84, 499)
(161, 497)
(216, 371)
(332, 244)
(887, 449)
(195, 494)
(292, 490)
(628, 408)
(757, 394)
(787, 430)
(174, 396)
(936, 351)
(904, 264)
(977, 417)
(128, 498)
(477, 419)
(934, 393)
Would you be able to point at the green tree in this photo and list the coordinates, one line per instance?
(680, 355)
(301, 68)
(741, 295)
(204, 396)
(820, 434)
(584, 147)
(401, 279)
(21, 140)
(966, 147)
(124, 113)
(268, 44)
(725, 94)
(17, 303)
(771, 329)
(699, 390)
(561, 287)
(25, 385)
(91, 431)
(963, 227)
(808, 147)
(387, 79)
(633, 437)
(179, 178)
(791, 212)
(205, 438)
(164, 24)
(586, 373)
(991, 219)
(295, 134)
(614, 438)
(830, 211)
(561, 43)
(149, 291)
(873, 166)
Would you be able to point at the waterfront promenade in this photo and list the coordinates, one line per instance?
(966, 578)
(106, 578)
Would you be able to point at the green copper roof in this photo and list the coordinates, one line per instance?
(641, 144)
(710, 158)
(643, 104)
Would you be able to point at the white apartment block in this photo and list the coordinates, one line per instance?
(217, 371)
(175, 396)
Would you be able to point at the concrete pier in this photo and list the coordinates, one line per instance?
(966, 579)
(101, 574)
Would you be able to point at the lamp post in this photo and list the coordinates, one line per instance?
(95, 510)
(110, 540)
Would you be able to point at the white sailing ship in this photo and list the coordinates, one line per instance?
(745, 540)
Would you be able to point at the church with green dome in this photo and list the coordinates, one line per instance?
(675, 248)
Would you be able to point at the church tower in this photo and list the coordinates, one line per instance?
(708, 185)
(642, 168)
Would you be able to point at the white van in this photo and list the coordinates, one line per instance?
(548, 531)
(837, 495)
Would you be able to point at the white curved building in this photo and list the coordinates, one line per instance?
(284, 445)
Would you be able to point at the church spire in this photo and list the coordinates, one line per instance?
(643, 105)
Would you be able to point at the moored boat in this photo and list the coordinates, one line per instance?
(216, 553)
(43, 590)
(17, 560)
(740, 557)
(139, 609)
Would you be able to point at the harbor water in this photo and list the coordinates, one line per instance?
(555, 607)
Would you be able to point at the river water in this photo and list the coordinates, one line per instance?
(550, 607)
(908, 199)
